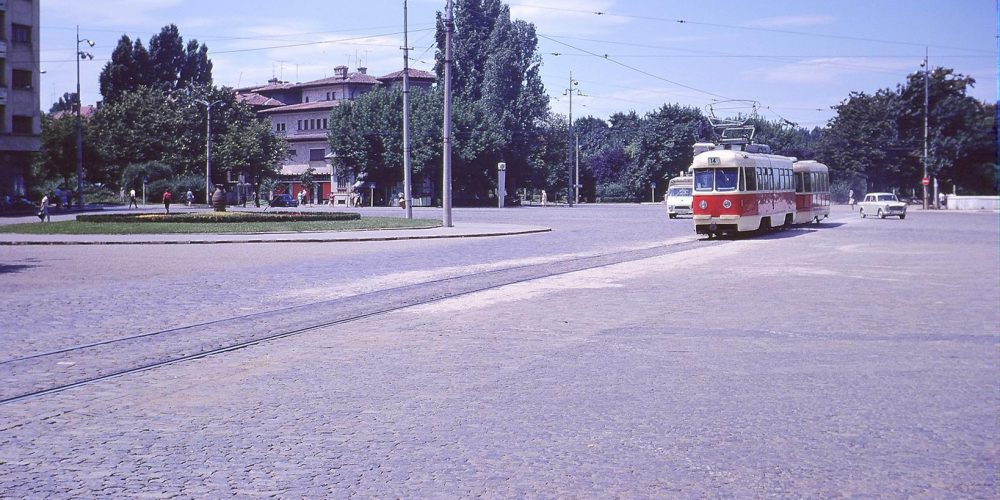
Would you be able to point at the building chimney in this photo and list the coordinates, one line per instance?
(340, 72)
(363, 70)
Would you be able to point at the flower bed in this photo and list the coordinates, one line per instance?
(221, 217)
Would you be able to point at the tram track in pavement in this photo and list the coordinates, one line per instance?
(54, 371)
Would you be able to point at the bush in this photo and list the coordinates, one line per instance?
(221, 217)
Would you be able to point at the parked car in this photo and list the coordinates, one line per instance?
(284, 200)
(882, 205)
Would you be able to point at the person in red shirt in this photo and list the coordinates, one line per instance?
(166, 200)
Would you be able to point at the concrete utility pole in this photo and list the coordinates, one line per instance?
(926, 111)
(449, 27)
(79, 125)
(576, 185)
(208, 148)
(407, 181)
(569, 146)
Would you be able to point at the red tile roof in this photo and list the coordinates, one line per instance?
(255, 99)
(413, 73)
(306, 106)
(351, 78)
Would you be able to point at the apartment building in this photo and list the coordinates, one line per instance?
(20, 118)
(301, 112)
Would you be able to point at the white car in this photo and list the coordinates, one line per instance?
(882, 205)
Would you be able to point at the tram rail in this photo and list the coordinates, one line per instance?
(58, 370)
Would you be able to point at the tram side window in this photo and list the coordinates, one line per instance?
(798, 182)
(751, 178)
(725, 179)
(704, 179)
(808, 186)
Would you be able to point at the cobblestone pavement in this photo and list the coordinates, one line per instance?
(856, 359)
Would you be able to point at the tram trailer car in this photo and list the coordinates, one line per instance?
(737, 191)
(812, 191)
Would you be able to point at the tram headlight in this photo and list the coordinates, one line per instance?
(727, 204)
(703, 205)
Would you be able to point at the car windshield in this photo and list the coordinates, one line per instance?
(887, 197)
(679, 192)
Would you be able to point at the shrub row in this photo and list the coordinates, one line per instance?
(221, 217)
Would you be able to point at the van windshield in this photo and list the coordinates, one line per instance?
(679, 192)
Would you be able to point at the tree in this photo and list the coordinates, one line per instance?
(56, 158)
(366, 134)
(499, 97)
(862, 141)
(249, 147)
(166, 66)
(66, 103)
(959, 130)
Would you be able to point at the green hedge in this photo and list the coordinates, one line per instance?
(221, 217)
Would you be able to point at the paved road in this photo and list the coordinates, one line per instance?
(856, 359)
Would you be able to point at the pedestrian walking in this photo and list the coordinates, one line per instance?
(166, 200)
(43, 213)
(402, 201)
(121, 194)
(131, 199)
(850, 198)
(190, 197)
(545, 198)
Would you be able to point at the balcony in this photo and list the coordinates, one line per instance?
(3, 4)
(3, 96)
(3, 47)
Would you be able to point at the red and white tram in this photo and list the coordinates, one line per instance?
(738, 191)
(812, 191)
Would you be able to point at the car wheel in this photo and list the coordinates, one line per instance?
(672, 216)
(903, 216)
(881, 215)
(863, 214)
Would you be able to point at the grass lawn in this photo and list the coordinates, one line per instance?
(76, 227)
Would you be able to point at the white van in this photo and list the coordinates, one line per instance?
(678, 197)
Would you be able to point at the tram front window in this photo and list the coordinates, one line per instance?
(703, 179)
(725, 179)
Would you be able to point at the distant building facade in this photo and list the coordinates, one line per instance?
(20, 117)
(301, 112)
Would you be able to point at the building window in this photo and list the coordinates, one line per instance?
(279, 127)
(317, 154)
(291, 154)
(20, 33)
(20, 79)
(325, 124)
(3, 119)
(307, 98)
(299, 126)
(21, 125)
(327, 96)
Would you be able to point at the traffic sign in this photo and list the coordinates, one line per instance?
(926, 181)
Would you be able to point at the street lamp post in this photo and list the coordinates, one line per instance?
(208, 147)
(569, 147)
(79, 126)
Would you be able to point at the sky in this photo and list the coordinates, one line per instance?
(795, 58)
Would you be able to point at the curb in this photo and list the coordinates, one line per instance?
(318, 239)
